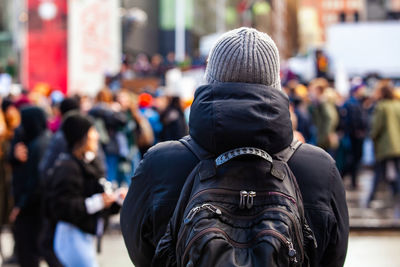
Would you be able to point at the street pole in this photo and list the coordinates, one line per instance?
(220, 9)
(179, 30)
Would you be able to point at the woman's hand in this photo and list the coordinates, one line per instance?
(108, 199)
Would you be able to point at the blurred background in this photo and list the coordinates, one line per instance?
(339, 60)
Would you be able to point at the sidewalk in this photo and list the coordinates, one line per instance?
(373, 249)
(114, 253)
(381, 215)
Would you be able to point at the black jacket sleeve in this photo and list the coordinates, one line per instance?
(136, 216)
(335, 252)
(325, 204)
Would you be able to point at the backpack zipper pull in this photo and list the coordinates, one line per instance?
(250, 199)
(196, 209)
(292, 252)
(212, 208)
(191, 214)
(243, 199)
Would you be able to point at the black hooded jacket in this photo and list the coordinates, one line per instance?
(26, 187)
(226, 116)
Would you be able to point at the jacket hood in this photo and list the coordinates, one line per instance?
(225, 116)
(33, 122)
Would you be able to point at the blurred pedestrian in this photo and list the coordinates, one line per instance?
(109, 119)
(324, 114)
(172, 118)
(385, 133)
(77, 201)
(142, 66)
(29, 145)
(5, 180)
(138, 135)
(157, 67)
(56, 147)
(147, 109)
(302, 111)
(321, 64)
(12, 68)
(170, 61)
(58, 144)
(54, 121)
(9, 121)
(355, 128)
(12, 119)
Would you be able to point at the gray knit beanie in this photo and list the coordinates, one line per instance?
(244, 55)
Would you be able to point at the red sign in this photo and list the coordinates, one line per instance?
(45, 54)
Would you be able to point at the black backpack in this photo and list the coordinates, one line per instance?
(243, 208)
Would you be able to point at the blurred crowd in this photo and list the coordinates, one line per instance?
(144, 66)
(32, 140)
(358, 130)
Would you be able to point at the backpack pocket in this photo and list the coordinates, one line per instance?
(212, 236)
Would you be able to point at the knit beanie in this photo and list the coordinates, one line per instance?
(244, 55)
(75, 128)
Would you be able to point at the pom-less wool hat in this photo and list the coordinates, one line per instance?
(244, 55)
(75, 128)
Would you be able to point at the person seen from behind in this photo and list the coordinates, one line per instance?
(385, 133)
(324, 114)
(27, 149)
(355, 128)
(241, 105)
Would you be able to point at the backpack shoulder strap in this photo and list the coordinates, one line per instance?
(195, 148)
(286, 154)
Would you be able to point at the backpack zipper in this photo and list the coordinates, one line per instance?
(291, 251)
(234, 192)
(219, 210)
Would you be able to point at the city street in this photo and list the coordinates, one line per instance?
(93, 93)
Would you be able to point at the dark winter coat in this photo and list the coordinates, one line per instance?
(355, 118)
(173, 121)
(70, 183)
(223, 117)
(25, 175)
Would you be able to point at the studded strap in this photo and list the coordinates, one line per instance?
(225, 157)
